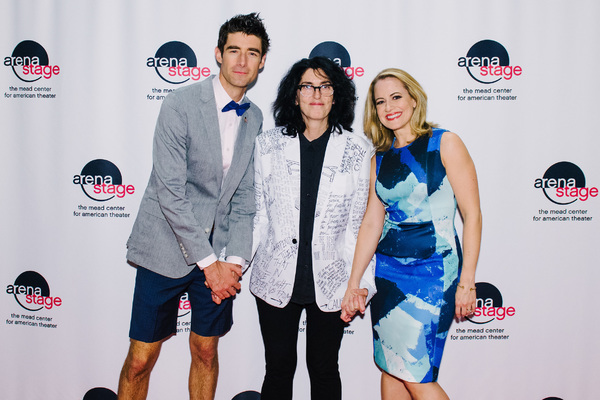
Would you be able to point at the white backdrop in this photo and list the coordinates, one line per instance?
(66, 307)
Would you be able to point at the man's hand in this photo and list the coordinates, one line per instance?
(223, 279)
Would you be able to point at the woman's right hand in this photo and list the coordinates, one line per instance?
(354, 300)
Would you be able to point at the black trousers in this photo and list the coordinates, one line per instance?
(324, 331)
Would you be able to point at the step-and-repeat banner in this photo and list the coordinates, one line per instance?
(81, 85)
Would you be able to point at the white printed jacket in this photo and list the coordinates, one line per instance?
(341, 203)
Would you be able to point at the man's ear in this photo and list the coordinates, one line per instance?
(218, 55)
(262, 62)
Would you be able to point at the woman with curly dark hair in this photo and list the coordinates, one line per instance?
(312, 184)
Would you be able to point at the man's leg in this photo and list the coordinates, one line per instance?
(204, 370)
(153, 320)
(209, 322)
(135, 375)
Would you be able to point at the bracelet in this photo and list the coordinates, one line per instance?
(462, 287)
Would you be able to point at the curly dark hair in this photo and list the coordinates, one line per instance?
(250, 24)
(287, 113)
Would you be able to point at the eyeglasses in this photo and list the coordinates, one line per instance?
(309, 90)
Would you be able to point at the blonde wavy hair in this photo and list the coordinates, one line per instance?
(381, 136)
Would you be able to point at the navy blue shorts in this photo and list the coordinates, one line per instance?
(156, 306)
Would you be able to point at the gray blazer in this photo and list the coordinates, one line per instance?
(187, 198)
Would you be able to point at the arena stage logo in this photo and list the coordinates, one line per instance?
(176, 63)
(30, 62)
(100, 393)
(338, 54)
(564, 183)
(489, 305)
(32, 292)
(185, 306)
(101, 180)
(487, 62)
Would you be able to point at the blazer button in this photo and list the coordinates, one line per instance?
(294, 241)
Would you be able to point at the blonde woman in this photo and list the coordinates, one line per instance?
(419, 176)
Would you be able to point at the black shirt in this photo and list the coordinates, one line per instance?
(312, 155)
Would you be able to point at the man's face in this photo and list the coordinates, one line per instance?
(240, 61)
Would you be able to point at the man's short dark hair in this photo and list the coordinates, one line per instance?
(250, 24)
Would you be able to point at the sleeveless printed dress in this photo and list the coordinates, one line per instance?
(418, 261)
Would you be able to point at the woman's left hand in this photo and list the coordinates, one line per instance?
(466, 300)
(462, 176)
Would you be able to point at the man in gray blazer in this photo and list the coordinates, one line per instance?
(193, 231)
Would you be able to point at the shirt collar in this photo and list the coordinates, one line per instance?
(221, 96)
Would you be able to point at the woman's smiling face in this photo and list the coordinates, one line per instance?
(393, 104)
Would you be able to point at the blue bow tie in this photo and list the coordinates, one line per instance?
(239, 108)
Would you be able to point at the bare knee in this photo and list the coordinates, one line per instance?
(393, 388)
(204, 349)
(140, 360)
(426, 391)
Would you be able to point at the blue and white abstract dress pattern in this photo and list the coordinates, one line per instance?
(418, 261)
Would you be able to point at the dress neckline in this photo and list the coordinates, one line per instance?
(403, 147)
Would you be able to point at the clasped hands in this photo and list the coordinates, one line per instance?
(223, 279)
(354, 301)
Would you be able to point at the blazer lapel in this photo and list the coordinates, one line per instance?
(243, 142)
(208, 109)
(291, 153)
(291, 156)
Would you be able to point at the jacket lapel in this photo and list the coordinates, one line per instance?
(292, 160)
(331, 165)
(241, 154)
(208, 109)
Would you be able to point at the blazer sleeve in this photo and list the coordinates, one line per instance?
(260, 219)
(170, 167)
